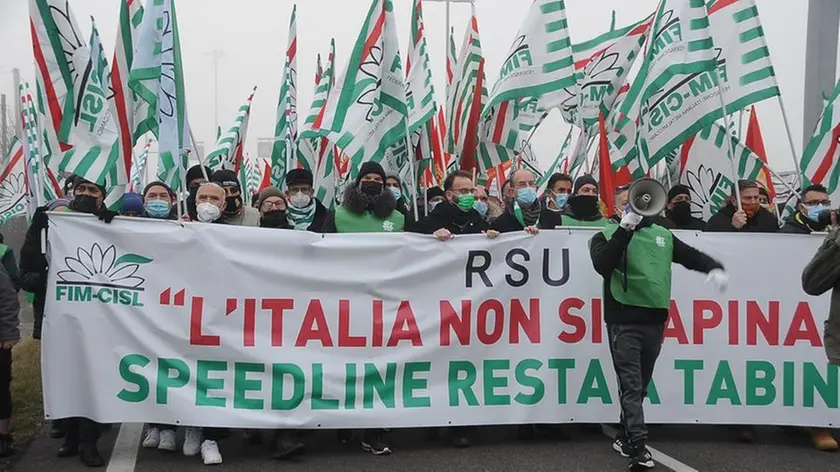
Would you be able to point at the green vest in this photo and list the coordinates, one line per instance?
(3, 249)
(348, 222)
(649, 258)
(599, 223)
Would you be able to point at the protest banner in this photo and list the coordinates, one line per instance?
(216, 325)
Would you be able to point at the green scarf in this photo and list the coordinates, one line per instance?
(301, 218)
(529, 216)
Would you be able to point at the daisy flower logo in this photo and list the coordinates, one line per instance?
(12, 193)
(100, 267)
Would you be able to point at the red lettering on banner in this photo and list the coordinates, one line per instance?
(197, 338)
(701, 323)
(757, 321)
(314, 326)
(734, 339)
(492, 337)
(597, 322)
(528, 323)
(345, 339)
(277, 306)
(674, 327)
(450, 321)
(405, 327)
(249, 322)
(576, 322)
(378, 332)
(802, 327)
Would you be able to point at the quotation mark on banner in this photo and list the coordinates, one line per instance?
(166, 297)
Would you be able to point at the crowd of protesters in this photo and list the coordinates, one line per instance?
(373, 203)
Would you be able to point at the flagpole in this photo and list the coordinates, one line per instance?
(411, 169)
(200, 157)
(728, 140)
(790, 139)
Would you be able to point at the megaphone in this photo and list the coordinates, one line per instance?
(647, 197)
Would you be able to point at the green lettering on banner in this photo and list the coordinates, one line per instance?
(278, 374)
(594, 385)
(203, 383)
(373, 382)
(812, 379)
(142, 392)
(410, 384)
(764, 383)
(242, 385)
(164, 382)
(562, 366)
(652, 394)
(688, 366)
(318, 400)
(788, 388)
(723, 386)
(465, 385)
(534, 382)
(349, 386)
(492, 382)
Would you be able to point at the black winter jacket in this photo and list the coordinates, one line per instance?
(449, 216)
(761, 222)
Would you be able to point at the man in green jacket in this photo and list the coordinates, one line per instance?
(367, 207)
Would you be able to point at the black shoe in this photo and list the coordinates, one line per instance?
(376, 446)
(68, 449)
(56, 430)
(621, 446)
(461, 442)
(526, 432)
(288, 449)
(7, 445)
(641, 460)
(89, 455)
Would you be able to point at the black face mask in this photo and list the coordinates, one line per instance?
(681, 213)
(84, 204)
(233, 204)
(371, 188)
(274, 219)
(585, 206)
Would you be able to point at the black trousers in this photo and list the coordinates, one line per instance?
(81, 430)
(634, 350)
(5, 384)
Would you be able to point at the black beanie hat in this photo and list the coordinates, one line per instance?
(584, 180)
(155, 184)
(434, 192)
(225, 178)
(195, 173)
(370, 167)
(77, 180)
(678, 189)
(299, 177)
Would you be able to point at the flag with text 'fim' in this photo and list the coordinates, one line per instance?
(230, 146)
(286, 124)
(821, 160)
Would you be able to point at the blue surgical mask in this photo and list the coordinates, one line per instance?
(480, 207)
(526, 196)
(396, 192)
(814, 212)
(157, 209)
(560, 199)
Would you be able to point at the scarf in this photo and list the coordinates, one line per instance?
(527, 216)
(301, 218)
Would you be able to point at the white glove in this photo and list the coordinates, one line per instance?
(630, 220)
(719, 278)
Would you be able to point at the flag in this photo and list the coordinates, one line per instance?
(312, 147)
(52, 187)
(820, 160)
(31, 149)
(157, 77)
(13, 195)
(366, 112)
(707, 170)
(606, 185)
(451, 60)
(318, 70)
(755, 143)
(285, 127)
(556, 165)
(602, 65)
(138, 168)
(127, 110)
(230, 146)
(675, 90)
(265, 178)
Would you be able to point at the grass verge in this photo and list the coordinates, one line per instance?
(27, 395)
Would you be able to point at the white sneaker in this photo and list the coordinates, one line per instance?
(192, 441)
(152, 438)
(167, 440)
(210, 453)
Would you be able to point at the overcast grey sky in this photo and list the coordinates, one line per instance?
(252, 34)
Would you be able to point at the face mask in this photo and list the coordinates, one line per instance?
(300, 200)
(814, 212)
(371, 188)
(233, 204)
(274, 219)
(681, 212)
(480, 207)
(396, 192)
(560, 199)
(466, 202)
(585, 206)
(526, 196)
(751, 209)
(207, 212)
(157, 209)
(84, 204)
(432, 206)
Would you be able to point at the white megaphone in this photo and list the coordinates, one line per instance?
(647, 197)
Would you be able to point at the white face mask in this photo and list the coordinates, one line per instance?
(300, 200)
(207, 212)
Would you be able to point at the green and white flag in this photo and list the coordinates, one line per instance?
(420, 96)
(157, 77)
(366, 112)
(556, 165)
(138, 168)
(312, 147)
(286, 124)
(469, 75)
(821, 160)
(128, 110)
(230, 146)
(14, 200)
(31, 149)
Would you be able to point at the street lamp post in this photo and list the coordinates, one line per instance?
(448, 27)
(216, 55)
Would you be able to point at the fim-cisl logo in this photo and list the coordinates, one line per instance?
(101, 276)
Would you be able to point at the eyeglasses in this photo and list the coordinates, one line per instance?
(463, 191)
(274, 205)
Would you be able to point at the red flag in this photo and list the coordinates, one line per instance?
(605, 181)
(266, 177)
(756, 143)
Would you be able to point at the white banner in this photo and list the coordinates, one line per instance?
(244, 327)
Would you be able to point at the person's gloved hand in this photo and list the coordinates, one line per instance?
(630, 220)
(106, 215)
(40, 220)
(719, 278)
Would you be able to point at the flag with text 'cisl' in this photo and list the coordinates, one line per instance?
(366, 112)
(230, 146)
(821, 160)
(286, 123)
